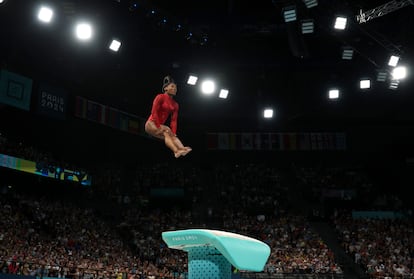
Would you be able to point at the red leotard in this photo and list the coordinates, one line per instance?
(162, 107)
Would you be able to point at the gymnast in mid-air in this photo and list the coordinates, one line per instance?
(163, 106)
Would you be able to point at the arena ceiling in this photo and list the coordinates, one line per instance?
(245, 45)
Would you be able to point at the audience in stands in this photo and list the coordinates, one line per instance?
(45, 235)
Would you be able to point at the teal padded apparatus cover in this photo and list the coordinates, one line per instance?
(244, 253)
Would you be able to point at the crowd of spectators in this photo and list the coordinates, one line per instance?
(383, 247)
(253, 188)
(45, 235)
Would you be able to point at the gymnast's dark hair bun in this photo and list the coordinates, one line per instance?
(167, 80)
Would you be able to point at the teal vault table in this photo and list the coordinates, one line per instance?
(211, 252)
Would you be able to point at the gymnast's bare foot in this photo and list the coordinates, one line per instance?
(182, 152)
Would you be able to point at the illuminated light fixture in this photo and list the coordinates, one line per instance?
(208, 87)
(394, 84)
(365, 83)
(310, 3)
(204, 39)
(393, 62)
(307, 26)
(223, 93)
(133, 6)
(178, 27)
(1, 1)
(289, 13)
(115, 45)
(192, 80)
(340, 23)
(333, 94)
(268, 113)
(399, 73)
(45, 14)
(347, 53)
(189, 36)
(84, 31)
(382, 76)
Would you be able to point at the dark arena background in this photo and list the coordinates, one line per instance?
(300, 120)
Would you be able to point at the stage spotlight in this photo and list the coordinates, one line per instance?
(333, 94)
(45, 14)
(223, 93)
(399, 73)
(268, 113)
(340, 23)
(115, 45)
(347, 53)
(84, 31)
(307, 26)
(192, 80)
(365, 83)
(310, 3)
(382, 75)
(289, 13)
(393, 62)
(208, 87)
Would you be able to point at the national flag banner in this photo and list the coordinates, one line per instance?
(96, 112)
(321, 143)
(15, 90)
(80, 107)
(101, 114)
(265, 141)
(257, 141)
(223, 141)
(275, 141)
(314, 141)
(340, 141)
(233, 141)
(93, 111)
(52, 101)
(142, 131)
(288, 141)
(123, 122)
(328, 140)
(247, 141)
(114, 118)
(303, 141)
(133, 126)
(212, 141)
(105, 115)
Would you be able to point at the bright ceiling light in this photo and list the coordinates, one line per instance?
(399, 73)
(192, 80)
(223, 93)
(365, 84)
(45, 14)
(393, 61)
(208, 87)
(340, 23)
(115, 45)
(333, 94)
(268, 113)
(84, 31)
